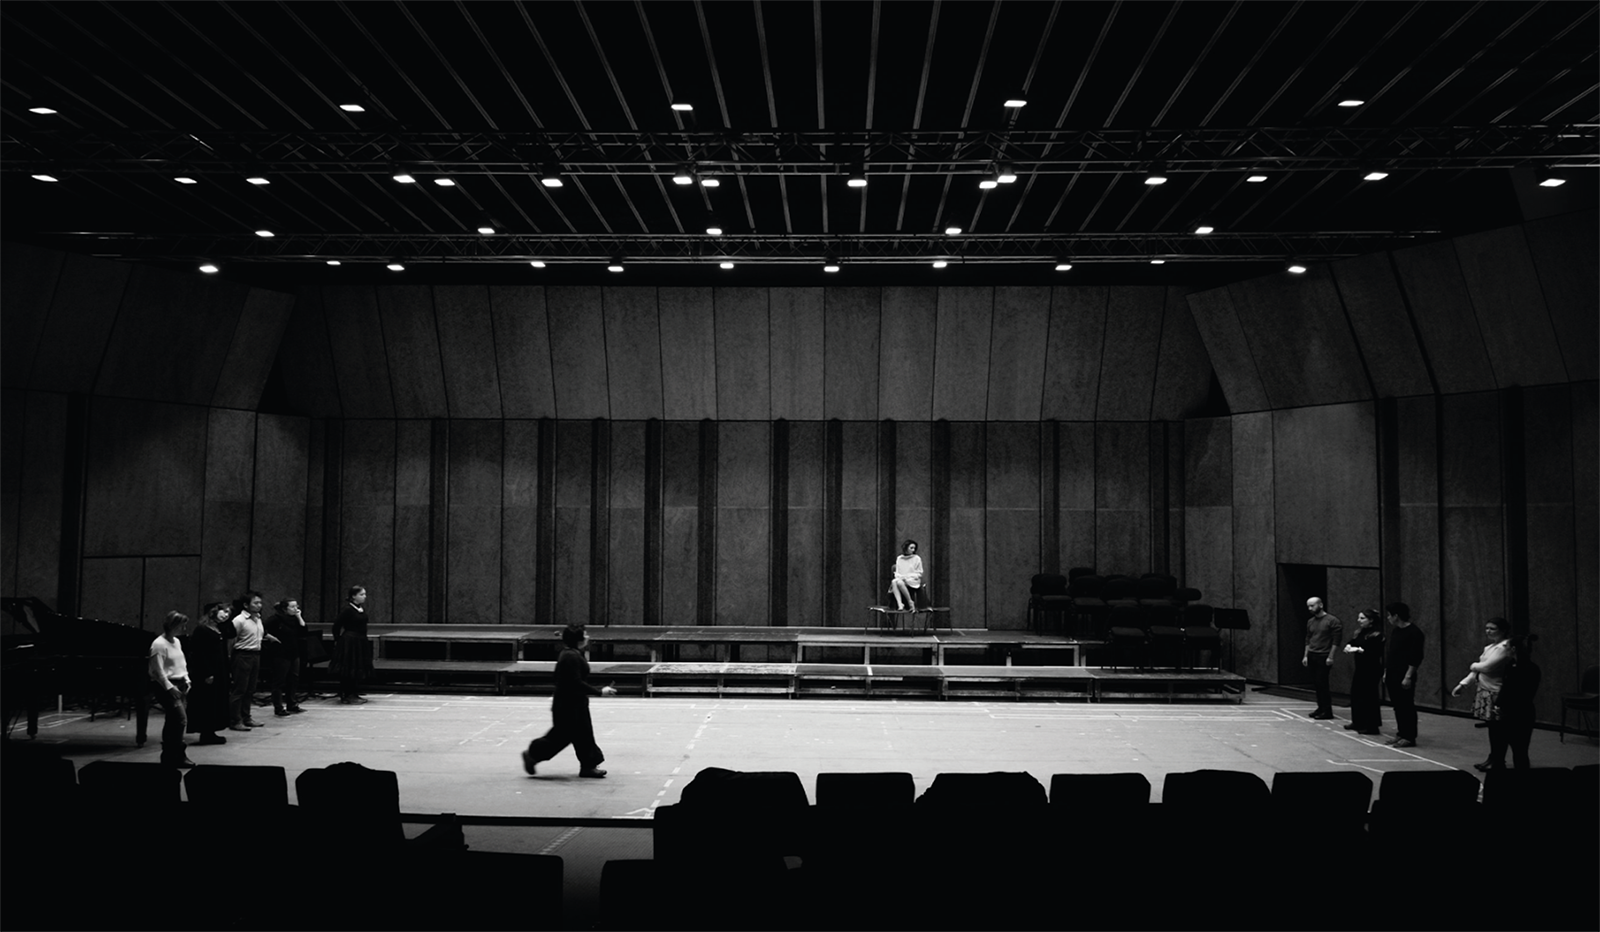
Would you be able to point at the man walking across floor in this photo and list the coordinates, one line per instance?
(1400, 664)
(1324, 635)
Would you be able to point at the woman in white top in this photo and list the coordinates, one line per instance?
(1489, 673)
(907, 581)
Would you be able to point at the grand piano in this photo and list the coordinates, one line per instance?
(53, 655)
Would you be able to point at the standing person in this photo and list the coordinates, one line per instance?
(1323, 634)
(1516, 699)
(246, 661)
(206, 650)
(906, 583)
(170, 674)
(351, 662)
(570, 710)
(1366, 690)
(1400, 665)
(284, 647)
(1487, 673)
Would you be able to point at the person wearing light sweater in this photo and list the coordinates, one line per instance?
(170, 674)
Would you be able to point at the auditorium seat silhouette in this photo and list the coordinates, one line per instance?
(735, 819)
(865, 790)
(134, 783)
(1411, 801)
(862, 826)
(237, 784)
(1196, 800)
(1099, 791)
(1047, 596)
(1339, 798)
(1199, 636)
(631, 896)
(468, 889)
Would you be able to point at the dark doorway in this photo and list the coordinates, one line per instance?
(1296, 583)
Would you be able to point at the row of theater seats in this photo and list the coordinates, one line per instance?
(1146, 619)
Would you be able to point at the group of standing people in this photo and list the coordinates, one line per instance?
(206, 674)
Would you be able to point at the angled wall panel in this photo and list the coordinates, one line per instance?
(355, 334)
(625, 584)
(1255, 565)
(1183, 371)
(43, 429)
(1564, 251)
(367, 521)
(312, 541)
(688, 354)
(961, 353)
(1229, 351)
(578, 352)
(411, 337)
(851, 329)
(1553, 607)
(905, 368)
(1016, 377)
(1472, 554)
(633, 352)
(170, 337)
(744, 390)
(1516, 326)
(254, 346)
(805, 521)
(1011, 521)
(1072, 357)
(1300, 340)
(32, 275)
(1325, 475)
(522, 351)
(467, 346)
(1208, 507)
(1132, 345)
(81, 314)
(473, 587)
(306, 357)
(413, 523)
(1377, 313)
(146, 478)
(744, 521)
(229, 490)
(1442, 310)
(798, 361)
(278, 508)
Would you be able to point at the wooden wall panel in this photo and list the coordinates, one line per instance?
(744, 521)
(574, 513)
(146, 477)
(1377, 313)
(467, 347)
(633, 352)
(688, 353)
(278, 509)
(1132, 345)
(1229, 351)
(13, 415)
(1075, 495)
(1417, 489)
(577, 352)
(170, 337)
(1255, 564)
(367, 519)
(744, 390)
(862, 576)
(1586, 526)
(316, 525)
(82, 312)
(519, 502)
(1564, 250)
(1208, 508)
(1517, 329)
(411, 337)
(413, 505)
(680, 523)
(1553, 607)
(798, 361)
(229, 489)
(1011, 522)
(255, 343)
(113, 589)
(1122, 498)
(966, 588)
(1442, 310)
(306, 358)
(913, 485)
(173, 584)
(1472, 556)
(473, 587)
(1021, 329)
(522, 351)
(356, 336)
(1300, 339)
(43, 427)
(1183, 370)
(1072, 356)
(30, 284)
(962, 353)
(905, 367)
(851, 328)
(625, 571)
(1325, 476)
(805, 520)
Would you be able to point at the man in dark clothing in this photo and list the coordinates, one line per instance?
(1324, 633)
(1515, 701)
(570, 710)
(1400, 672)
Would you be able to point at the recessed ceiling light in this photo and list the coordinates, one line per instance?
(1375, 176)
(42, 111)
(682, 107)
(185, 179)
(1552, 182)
(952, 231)
(1203, 230)
(1063, 266)
(264, 234)
(334, 262)
(208, 268)
(940, 263)
(258, 180)
(710, 183)
(445, 182)
(1256, 179)
(1015, 102)
(486, 230)
(725, 264)
(1351, 103)
(352, 108)
(404, 178)
(45, 178)
(537, 263)
(395, 267)
(1297, 269)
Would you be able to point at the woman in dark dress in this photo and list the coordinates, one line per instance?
(352, 659)
(206, 650)
(1366, 646)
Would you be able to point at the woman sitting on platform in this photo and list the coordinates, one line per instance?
(906, 585)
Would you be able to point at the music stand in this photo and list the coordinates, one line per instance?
(1231, 620)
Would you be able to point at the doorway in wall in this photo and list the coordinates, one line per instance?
(1296, 583)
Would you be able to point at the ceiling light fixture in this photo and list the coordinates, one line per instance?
(952, 230)
(1377, 174)
(537, 263)
(352, 108)
(1063, 266)
(713, 228)
(486, 230)
(710, 183)
(395, 267)
(404, 178)
(209, 269)
(1552, 182)
(1157, 174)
(1351, 103)
(1158, 262)
(1204, 230)
(988, 183)
(725, 264)
(1005, 174)
(334, 262)
(445, 182)
(258, 180)
(1015, 102)
(42, 111)
(684, 175)
(45, 178)
(858, 176)
(1297, 269)
(264, 234)
(1256, 179)
(831, 265)
(185, 179)
(616, 265)
(550, 177)
(940, 263)
(682, 107)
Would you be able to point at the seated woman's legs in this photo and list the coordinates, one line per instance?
(902, 594)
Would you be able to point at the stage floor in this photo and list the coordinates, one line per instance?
(459, 753)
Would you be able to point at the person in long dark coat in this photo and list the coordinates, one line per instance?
(206, 648)
(570, 710)
(1366, 684)
(352, 659)
(281, 655)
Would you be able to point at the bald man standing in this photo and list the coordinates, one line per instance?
(1324, 634)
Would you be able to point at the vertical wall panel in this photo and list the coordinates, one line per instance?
(680, 522)
(311, 588)
(476, 450)
(255, 344)
(409, 603)
(306, 358)
(522, 351)
(278, 510)
(367, 519)
(625, 591)
(519, 499)
(1183, 371)
(1377, 313)
(170, 337)
(805, 524)
(798, 360)
(633, 352)
(1300, 340)
(744, 451)
(1586, 511)
(851, 328)
(146, 475)
(688, 353)
(905, 367)
(862, 576)
(356, 335)
(43, 432)
(230, 486)
(574, 498)
(1011, 522)
(1553, 607)
(1132, 345)
(1516, 326)
(1072, 358)
(577, 352)
(966, 587)
(1255, 569)
(1417, 490)
(1326, 485)
(411, 337)
(32, 274)
(1472, 563)
(743, 341)
(1021, 327)
(113, 589)
(1075, 495)
(961, 353)
(1565, 250)
(173, 584)
(13, 415)
(913, 486)
(1122, 498)
(81, 314)
(1431, 277)
(1208, 509)
(467, 346)
(1231, 360)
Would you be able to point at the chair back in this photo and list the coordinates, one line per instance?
(1423, 789)
(1099, 791)
(1187, 594)
(363, 804)
(129, 783)
(1155, 586)
(253, 786)
(1048, 584)
(1086, 587)
(1590, 681)
(1077, 571)
(1197, 615)
(1344, 794)
(1237, 619)
(865, 790)
(983, 792)
(1118, 587)
(1230, 791)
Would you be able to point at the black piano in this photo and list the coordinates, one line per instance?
(54, 655)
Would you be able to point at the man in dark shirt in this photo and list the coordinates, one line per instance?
(570, 710)
(1324, 633)
(1400, 672)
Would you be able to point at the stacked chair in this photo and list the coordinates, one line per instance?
(1047, 597)
(1089, 609)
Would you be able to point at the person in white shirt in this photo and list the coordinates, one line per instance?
(170, 674)
(250, 632)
